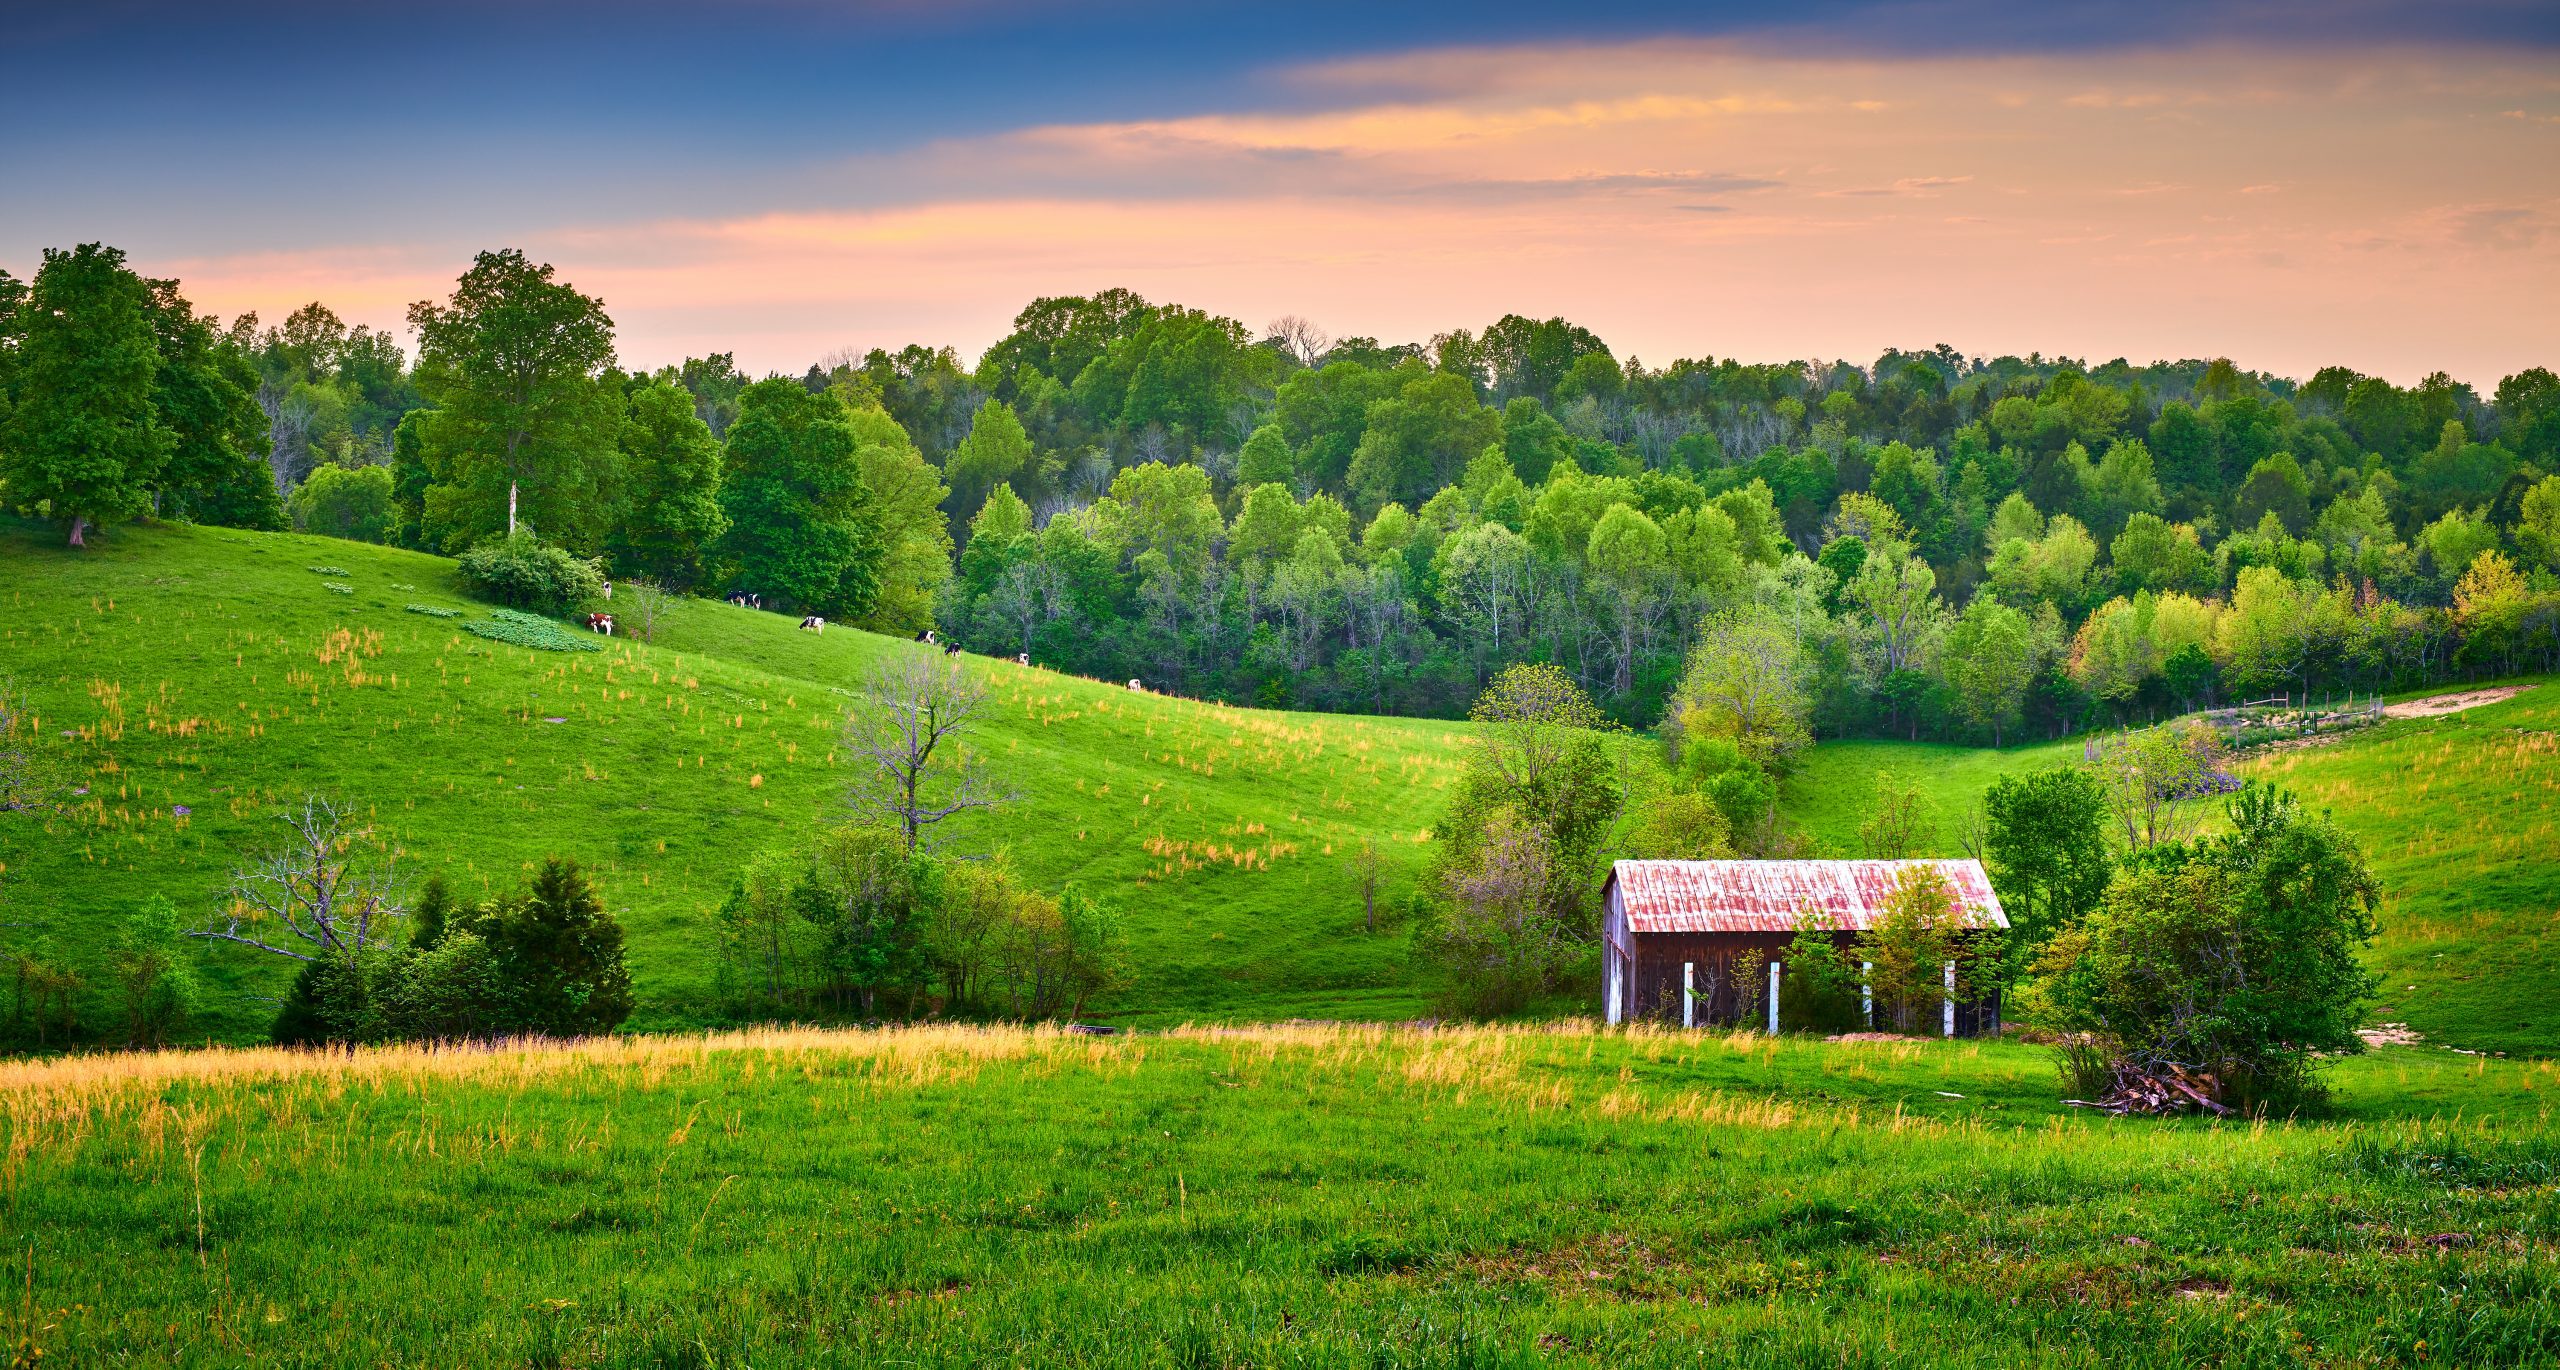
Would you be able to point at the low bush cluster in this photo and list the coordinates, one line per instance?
(434, 611)
(856, 923)
(542, 961)
(523, 572)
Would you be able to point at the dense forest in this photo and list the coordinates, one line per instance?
(1926, 545)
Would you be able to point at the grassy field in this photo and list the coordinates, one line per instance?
(206, 676)
(1271, 1196)
(2459, 813)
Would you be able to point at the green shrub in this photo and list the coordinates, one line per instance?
(529, 630)
(543, 961)
(435, 611)
(523, 572)
(2235, 958)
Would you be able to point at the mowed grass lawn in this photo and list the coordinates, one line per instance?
(212, 672)
(1269, 1196)
(2459, 814)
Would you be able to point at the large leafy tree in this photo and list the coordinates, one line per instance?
(524, 427)
(205, 393)
(2045, 840)
(902, 504)
(1988, 661)
(796, 502)
(1420, 440)
(994, 453)
(671, 472)
(1543, 755)
(83, 436)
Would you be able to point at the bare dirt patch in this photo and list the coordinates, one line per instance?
(2454, 703)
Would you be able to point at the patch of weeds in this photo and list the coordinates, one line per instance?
(340, 589)
(329, 570)
(1362, 1253)
(1814, 1226)
(434, 611)
(2452, 1162)
(530, 630)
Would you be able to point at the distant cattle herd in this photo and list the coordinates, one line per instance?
(748, 599)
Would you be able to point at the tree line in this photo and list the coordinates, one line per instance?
(1931, 544)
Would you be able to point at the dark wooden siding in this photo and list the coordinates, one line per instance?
(1720, 957)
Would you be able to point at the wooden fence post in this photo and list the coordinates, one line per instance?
(1950, 1015)
(1773, 998)
(1867, 992)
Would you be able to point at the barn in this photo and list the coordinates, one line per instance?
(1704, 942)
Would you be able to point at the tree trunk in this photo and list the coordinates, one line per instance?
(511, 508)
(77, 524)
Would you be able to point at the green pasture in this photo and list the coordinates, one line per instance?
(1364, 1196)
(214, 671)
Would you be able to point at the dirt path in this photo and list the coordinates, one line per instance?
(2453, 703)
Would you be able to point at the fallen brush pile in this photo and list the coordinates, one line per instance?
(2157, 1090)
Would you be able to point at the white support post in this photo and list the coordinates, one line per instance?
(1688, 994)
(1773, 998)
(1867, 991)
(1951, 999)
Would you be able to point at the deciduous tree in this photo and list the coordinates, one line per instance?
(84, 439)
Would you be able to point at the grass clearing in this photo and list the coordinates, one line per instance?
(942, 1195)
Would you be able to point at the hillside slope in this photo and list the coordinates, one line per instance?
(204, 677)
(2456, 811)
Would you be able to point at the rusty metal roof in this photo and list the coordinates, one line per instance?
(1767, 896)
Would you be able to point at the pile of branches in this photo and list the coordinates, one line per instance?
(2153, 1088)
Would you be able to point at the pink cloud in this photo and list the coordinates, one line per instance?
(1680, 198)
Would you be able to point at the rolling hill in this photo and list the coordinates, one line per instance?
(197, 679)
(194, 680)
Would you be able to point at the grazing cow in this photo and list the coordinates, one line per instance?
(1137, 687)
(814, 624)
(951, 649)
(600, 623)
(608, 589)
(925, 635)
(738, 598)
(1022, 658)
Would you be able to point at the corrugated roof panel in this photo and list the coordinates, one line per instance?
(1768, 896)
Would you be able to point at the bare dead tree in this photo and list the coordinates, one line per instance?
(1974, 830)
(650, 603)
(326, 893)
(903, 733)
(1301, 337)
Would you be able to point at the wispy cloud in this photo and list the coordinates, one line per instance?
(1680, 197)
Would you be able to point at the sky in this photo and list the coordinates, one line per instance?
(2289, 183)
